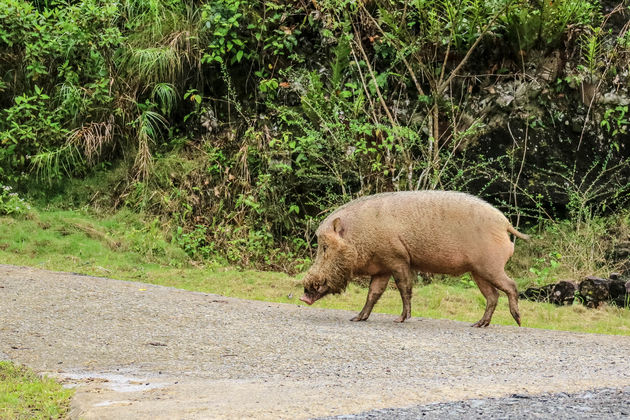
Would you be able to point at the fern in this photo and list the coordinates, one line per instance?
(342, 59)
(52, 165)
(153, 65)
(165, 95)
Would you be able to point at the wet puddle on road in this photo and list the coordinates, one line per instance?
(113, 381)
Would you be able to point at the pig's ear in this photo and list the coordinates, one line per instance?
(339, 230)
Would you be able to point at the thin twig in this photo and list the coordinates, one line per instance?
(369, 66)
(364, 84)
(520, 170)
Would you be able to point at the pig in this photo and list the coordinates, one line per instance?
(401, 233)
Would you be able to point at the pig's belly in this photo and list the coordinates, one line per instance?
(454, 263)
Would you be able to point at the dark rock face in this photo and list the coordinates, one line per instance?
(595, 290)
(546, 155)
(592, 292)
(561, 293)
(537, 294)
(621, 254)
(618, 294)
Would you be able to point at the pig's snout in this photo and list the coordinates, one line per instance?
(307, 299)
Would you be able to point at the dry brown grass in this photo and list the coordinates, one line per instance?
(92, 137)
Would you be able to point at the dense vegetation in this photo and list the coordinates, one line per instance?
(236, 125)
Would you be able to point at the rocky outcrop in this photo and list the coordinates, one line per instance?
(592, 292)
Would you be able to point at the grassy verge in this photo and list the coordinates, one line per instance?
(125, 247)
(25, 395)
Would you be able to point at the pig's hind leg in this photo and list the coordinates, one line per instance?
(492, 297)
(378, 284)
(503, 282)
(507, 285)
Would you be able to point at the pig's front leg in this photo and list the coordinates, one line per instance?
(378, 284)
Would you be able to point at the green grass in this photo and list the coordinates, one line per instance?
(123, 246)
(74, 241)
(25, 395)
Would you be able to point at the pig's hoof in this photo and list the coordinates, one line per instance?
(517, 318)
(481, 324)
(358, 318)
(400, 319)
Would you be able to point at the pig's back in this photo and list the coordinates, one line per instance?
(399, 211)
(432, 225)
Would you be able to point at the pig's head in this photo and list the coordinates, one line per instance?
(332, 269)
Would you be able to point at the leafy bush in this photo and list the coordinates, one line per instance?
(543, 24)
(238, 125)
(11, 203)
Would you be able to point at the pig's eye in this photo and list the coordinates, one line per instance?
(324, 248)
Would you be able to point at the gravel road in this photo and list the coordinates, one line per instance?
(604, 403)
(137, 350)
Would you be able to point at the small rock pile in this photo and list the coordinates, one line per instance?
(592, 292)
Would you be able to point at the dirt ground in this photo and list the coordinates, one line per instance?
(135, 350)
